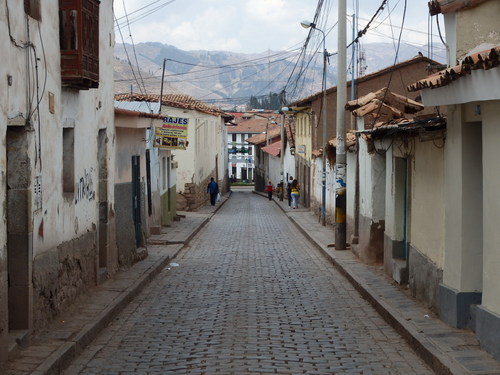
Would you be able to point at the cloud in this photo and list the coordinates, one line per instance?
(257, 25)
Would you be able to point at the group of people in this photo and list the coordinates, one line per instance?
(292, 190)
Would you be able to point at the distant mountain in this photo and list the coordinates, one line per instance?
(228, 78)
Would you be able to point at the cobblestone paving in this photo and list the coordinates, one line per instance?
(250, 296)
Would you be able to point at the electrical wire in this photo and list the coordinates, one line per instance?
(144, 15)
(135, 55)
(392, 73)
(141, 8)
(440, 35)
(211, 68)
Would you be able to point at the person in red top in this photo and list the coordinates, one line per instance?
(269, 189)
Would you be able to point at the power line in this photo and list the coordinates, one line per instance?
(236, 67)
(144, 15)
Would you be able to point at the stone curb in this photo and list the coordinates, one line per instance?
(68, 351)
(63, 356)
(425, 349)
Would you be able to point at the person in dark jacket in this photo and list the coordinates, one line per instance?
(213, 189)
(289, 191)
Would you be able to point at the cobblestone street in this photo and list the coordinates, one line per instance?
(250, 296)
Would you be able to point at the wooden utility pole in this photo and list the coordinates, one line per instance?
(340, 164)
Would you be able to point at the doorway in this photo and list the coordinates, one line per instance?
(136, 198)
(19, 232)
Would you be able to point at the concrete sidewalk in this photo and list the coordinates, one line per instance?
(445, 349)
(52, 350)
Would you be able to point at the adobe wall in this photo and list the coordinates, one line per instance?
(61, 274)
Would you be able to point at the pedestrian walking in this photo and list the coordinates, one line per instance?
(295, 191)
(289, 191)
(213, 189)
(269, 189)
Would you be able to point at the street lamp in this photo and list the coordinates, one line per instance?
(306, 25)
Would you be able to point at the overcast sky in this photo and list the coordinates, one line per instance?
(254, 26)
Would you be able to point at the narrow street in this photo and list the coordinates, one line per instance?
(250, 295)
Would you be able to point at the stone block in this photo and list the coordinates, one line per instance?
(454, 306)
(155, 230)
(400, 271)
(488, 331)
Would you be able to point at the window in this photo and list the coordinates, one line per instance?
(234, 137)
(32, 9)
(68, 156)
(79, 43)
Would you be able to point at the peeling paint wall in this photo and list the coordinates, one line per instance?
(477, 28)
(62, 231)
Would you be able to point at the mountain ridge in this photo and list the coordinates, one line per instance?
(231, 78)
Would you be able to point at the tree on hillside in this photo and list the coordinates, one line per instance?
(271, 101)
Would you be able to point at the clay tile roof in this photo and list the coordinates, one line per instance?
(261, 138)
(481, 60)
(350, 140)
(254, 125)
(317, 153)
(256, 139)
(449, 6)
(173, 100)
(274, 149)
(382, 106)
(398, 102)
(290, 130)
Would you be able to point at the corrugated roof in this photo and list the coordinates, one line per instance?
(486, 60)
(173, 100)
(136, 106)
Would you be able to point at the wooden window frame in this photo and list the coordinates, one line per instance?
(79, 43)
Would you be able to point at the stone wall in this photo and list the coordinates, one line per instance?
(61, 275)
(194, 195)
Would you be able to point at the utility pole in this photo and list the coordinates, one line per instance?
(162, 79)
(282, 135)
(340, 164)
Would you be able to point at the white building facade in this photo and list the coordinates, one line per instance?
(56, 120)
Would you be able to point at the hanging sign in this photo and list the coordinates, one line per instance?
(173, 134)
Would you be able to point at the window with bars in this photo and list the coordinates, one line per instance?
(79, 41)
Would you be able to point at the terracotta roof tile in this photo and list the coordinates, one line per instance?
(254, 125)
(368, 77)
(350, 140)
(274, 149)
(173, 100)
(482, 60)
(261, 138)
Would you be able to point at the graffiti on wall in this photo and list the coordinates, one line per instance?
(84, 189)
